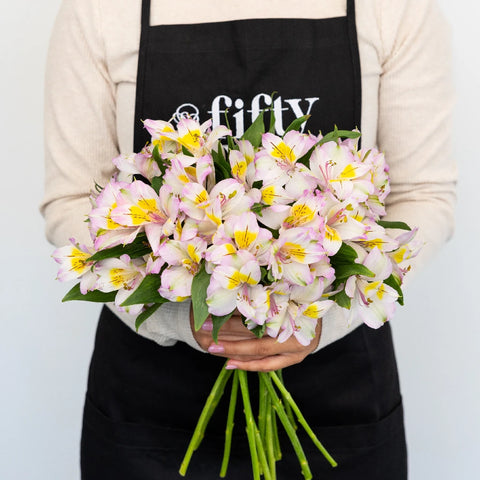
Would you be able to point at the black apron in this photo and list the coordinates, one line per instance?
(143, 400)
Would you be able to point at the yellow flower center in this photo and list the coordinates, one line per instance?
(79, 260)
(300, 214)
(284, 152)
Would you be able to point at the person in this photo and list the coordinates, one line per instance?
(382, 66)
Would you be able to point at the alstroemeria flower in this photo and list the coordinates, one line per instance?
(253, 302)
(343, 222)
(74, 263)
(303, 212)
(184, 260)
(292, 253)
(277, 162)
(377, 236)
(240, 233)
(138, 164)
(196, 138)
(180, 172)
(123, 275)
(339, 171)
(106, 232)
(242, 163)
(296, 310)
(372, 299)
(407, 250)
(378, 175)
(157, 129)
(226, 198)
(231, 282)
(142, 206)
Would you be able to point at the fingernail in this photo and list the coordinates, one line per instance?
(214, 348)
(228, 366)
(207, 326)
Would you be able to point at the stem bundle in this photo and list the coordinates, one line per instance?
(262, 437)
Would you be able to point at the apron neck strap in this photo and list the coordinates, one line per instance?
(145, 14)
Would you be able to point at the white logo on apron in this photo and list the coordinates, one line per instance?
(237, 111)
(187, 110)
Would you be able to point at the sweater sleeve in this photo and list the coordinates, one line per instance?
(80, 142)
(414, 131)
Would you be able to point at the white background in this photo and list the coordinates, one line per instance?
(45, 346)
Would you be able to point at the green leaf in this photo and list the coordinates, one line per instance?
(94, 296)
(264, 272)
(297, 123)
(272, 122)
(345, 256)
(257, 208)
(336, 134)
(138, 248)
(160, 162)
(186, 152)
(221, 165)
(217, 324)
(342, 272)
(342, 299)
(230, 142)
(306, 158)
(348, 134)
(259, 330)
(147, 292)
(255, 131)
(145, 314)
(199, 297)
(400, 225)
(393, 282)
(156, 183)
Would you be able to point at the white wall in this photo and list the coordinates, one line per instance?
(45, 346)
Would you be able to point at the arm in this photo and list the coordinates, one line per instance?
(414, 130)
(80, 142)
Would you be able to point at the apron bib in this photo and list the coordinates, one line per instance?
(143, 400)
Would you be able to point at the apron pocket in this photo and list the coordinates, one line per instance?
(134, 451)
(374, 451)
(128, 434)
(370, 435)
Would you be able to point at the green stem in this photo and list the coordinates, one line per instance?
(277, 405)
(262, 407)
(301, 418)
(261, 455)
(242, 377)
(288, 409)
(210, 405)
(276, 440)
(269, 441)
(230, 424)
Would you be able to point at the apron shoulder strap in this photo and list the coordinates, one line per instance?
(350, 9)
(145, 14)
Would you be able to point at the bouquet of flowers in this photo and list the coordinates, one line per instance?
(278, 228)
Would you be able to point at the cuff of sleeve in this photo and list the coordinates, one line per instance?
(335, 326)
(172, 319)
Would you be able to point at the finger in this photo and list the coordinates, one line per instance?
(235, 324)
(268, 364)
(262, 347)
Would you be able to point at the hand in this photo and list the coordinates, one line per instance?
(247, 352)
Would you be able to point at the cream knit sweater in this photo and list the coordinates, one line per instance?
(406, 96)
